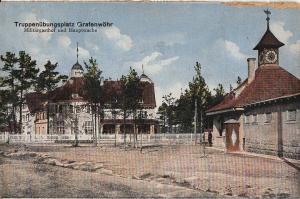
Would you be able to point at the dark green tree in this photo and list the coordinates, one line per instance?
(26, 75)
(200, 94)
(131, 98)
(93, 90)
(47, 81)
(218, 96)
(184, 113)
(162, 111)
(239, 80)
(8, 84)
(4, 110)
(169, 100)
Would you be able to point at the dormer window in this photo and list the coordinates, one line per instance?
(75, 95)
(141, 101)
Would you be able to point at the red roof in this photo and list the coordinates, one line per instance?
(72, 86)
(35, 101)
(271, 81)
(115, 88)
(75, 85)
(268, 41)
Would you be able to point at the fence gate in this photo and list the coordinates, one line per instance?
(232, 135)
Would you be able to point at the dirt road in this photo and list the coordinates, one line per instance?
(23, 177)
(161, 171)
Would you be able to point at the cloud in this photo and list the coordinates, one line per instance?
(64, 41)
(153, 63)
(172, 39)
(175, 89)
(234, 50)
(295, 48)
(278, 29)
(32, 18)
(123, 41)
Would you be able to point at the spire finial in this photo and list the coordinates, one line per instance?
(77, 51)
(268, 13)
(143, 68)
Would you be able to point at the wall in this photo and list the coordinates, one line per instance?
(279, 137)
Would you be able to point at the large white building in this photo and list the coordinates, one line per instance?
(69, 109)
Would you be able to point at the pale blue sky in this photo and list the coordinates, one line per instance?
(168, 38)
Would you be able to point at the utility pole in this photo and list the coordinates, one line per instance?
(195, 122)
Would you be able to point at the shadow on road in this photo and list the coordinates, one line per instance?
(291, 164)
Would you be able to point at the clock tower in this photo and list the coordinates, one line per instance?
(268, 46)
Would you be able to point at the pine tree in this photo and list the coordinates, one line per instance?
(239, 80)
(131, 96)
(26, 76)
(9, 94)
(47, 81)
(199, 91)
(93, 89)
(169, 100)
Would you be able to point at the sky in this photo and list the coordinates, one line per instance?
(167, 38)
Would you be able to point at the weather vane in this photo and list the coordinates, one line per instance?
(268, 13)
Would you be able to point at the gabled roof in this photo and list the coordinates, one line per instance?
(271, 81)
(64, 93)
(115, 88)
(75, 85)
(268, 40)
(35, 101)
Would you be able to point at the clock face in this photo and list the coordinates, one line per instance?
(271, 56)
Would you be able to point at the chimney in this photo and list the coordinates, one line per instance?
(251, 69)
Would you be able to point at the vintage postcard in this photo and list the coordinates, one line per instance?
(149, 100)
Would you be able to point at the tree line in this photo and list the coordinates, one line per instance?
(188, 111)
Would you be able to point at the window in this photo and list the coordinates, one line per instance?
(27, 117)
(141, 101)
(71, 109)
(247, 119)
(88, 127)
(291, 115)
(50, 108)
(268, 117)
(73, 127)
(60, 127)
(88, 109)
(254, 121)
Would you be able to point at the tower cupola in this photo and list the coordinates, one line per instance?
(145, 78)
(268, 46)
(77, 70)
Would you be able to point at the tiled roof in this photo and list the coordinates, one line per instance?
(35, 101)
(271, 81)
(115, 88)
(268, 41)
(75, 85)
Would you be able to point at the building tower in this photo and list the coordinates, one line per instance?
(268, 46)
(77, 70)
(145, 78)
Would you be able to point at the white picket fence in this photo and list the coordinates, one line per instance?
(104, 138)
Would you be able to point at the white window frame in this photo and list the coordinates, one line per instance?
(247, 119)
(254, 119)
(268, 120)
(60, 127)
(88, 127)
(288, 116)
